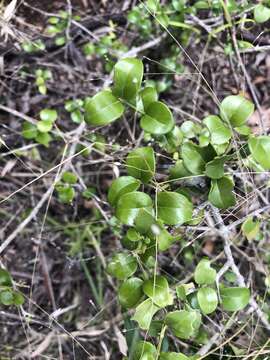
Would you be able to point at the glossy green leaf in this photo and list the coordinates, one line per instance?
(43, 138)
(183, 324)
(69, 177)
(164, 239)
(158, 119)
(130, 292)
(121, 186)
(18, 298)
(179, 171)
(141, 164)
(144, 313)
(128, 74)
(207, 299)
(261, 13)
(173, 208)
(234, 298)
(157, 289)
(29, 131)
(44, 126)
(189, 129)
(129, 205)
(144, 220)
(250, 228)
(48, 115)
(172, 140)
(215, 168)
(6, 297)
(65, 194)
(196, 157)
(221, 193)
(219, 132)
(122, 265)
(204, 273)
(144, 347)
(172, 356)
(148, 96)
(103, 108)
(5, 278)
(260, 149)
(76, 116)
(236, 109)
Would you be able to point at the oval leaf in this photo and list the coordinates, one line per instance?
(158, 290)
(158, 119)
(236, 109)
(196, 157)
(183, 324)
(130, 204)
(144, 347)
(221, 195)
(148, 95)
(215, 168)
(234, 298)
(207, 299)
(141, 164)
(204, 273)
(122, 266)
(220, 133)
(173, 356)
(173, 208)
(121, 186)
(260, 150)
(144, 313)
(103, 108)
(130, 292)
(128, 74)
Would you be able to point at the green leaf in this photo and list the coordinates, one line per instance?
(164, 239)
(122, 265)
(5, 278)
(44, 126)
(29, 131)
(173, 208)
(157, 289)
(221, 195)
(220, 133)
(189, 129)
(215, 168)
(172, 356)
(103, 108)
(141, 164)
(128, 74)
(148, 96)
(69, 177)
(196, 157)
(121, 186)
(144, 220)
(260, 149)
(204, 273)
(18, 298)
(129, 205)
(48, 115)
(144, 313)
(6, 297)
(77, 116)
(183, 324)
(179, 171)
(250, 228)
(207, 299)
(130, 292)
(261, 13)
(65, 194)
(234, 298)
(158, 119)
(43, 138)
(236, 109)
(144, 347)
